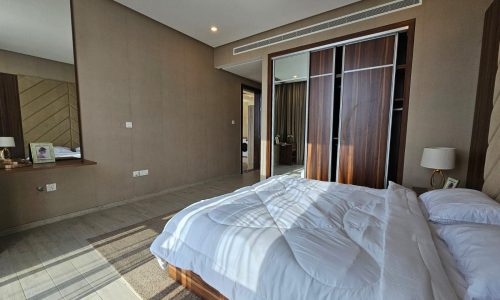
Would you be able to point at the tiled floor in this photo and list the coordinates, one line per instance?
(56, 261)
(289, 170)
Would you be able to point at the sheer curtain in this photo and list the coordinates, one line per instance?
(290, 114)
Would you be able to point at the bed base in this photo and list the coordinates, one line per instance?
(194, 283)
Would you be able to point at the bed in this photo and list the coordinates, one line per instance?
(293, 238)
(66, 152)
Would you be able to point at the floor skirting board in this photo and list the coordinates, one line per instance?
(39, 223)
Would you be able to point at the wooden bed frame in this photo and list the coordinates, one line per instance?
(194, 283)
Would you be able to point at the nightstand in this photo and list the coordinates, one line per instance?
(420, 190)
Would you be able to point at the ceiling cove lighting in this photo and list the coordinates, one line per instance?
(214, 29)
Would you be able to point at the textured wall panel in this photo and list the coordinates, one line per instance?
(49, 111)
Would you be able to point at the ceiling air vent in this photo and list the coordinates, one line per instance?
(330, 24)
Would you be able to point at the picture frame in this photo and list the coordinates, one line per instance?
(451, 183)
(42, 153)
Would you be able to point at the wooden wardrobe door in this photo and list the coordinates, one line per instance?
(320, 110)
(365, 112)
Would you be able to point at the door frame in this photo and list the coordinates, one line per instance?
(326, 43)
(257, 125)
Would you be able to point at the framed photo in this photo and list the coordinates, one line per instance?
(451, 183)
(42, 153)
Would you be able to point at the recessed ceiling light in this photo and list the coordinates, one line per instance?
(214, 29)
(295, 76)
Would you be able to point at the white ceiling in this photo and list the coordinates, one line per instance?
(43, 28)
(236, 19)
(37, 28)
(251, 70)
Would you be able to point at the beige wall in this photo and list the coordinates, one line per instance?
(131, 68)
(444, 76)
(21, 64)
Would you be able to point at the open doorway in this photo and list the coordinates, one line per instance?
(250, 129)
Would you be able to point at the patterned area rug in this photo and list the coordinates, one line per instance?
(127, 249)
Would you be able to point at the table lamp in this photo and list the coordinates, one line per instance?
(438, 158)
(5, 143)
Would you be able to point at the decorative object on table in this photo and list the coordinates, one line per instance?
(42, 153)
(438, 159)
(451, 183)
(9, 164)
(6, 142)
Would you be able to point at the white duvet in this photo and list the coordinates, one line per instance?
(292, 238)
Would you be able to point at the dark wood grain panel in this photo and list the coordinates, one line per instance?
(365, 112)
(370, 53)
(321, 62)
(484, 97)
(319, 127)
(10, 113)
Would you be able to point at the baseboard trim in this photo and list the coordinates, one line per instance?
(31, 225)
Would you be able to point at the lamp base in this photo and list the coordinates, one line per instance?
(435, 184)
(4, 153)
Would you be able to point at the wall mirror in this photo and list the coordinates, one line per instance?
(289, 114)
(38, 98)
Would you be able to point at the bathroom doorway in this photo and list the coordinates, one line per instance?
(250, 129)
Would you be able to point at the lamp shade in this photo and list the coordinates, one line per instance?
(438, 158)
(7, 141)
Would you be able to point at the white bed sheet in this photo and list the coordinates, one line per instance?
(291, 238)
(65, 152)
(449, 263)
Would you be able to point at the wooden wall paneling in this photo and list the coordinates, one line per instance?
(365, 112)
(484, 97)
(320, 111)
(10, 113)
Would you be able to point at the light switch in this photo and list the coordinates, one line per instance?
(233, 122)
(128, 124)
(51, 187)
(136, 173)
(144, 172)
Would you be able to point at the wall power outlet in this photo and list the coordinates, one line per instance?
(51, 187)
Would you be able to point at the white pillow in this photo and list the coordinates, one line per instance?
(475, 249)
(451, 206)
